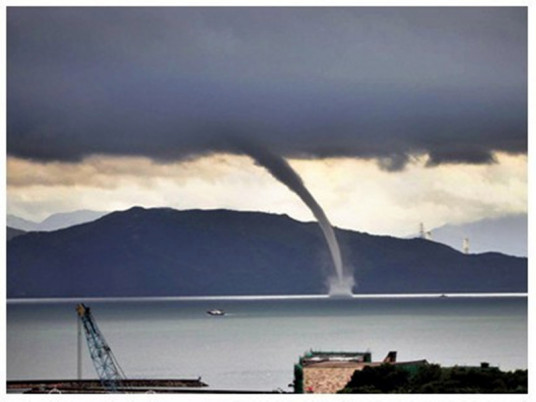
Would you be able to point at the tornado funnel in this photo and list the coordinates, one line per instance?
(339, 285)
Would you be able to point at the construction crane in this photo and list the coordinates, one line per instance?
(106, 365)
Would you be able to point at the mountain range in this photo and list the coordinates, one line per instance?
(54, 222)
(166, 252)
(11, 233)
(506, 235)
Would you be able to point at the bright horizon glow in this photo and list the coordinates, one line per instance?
(355, 193)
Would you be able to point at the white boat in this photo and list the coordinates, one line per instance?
(216, 312)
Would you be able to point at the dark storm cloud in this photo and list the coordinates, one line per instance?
(308, 82)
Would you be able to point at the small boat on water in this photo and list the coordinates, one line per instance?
(216, 312)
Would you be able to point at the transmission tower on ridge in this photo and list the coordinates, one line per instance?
(424, 234)
(466, 245)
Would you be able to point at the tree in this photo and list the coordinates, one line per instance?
(432, 378)
(386, 378)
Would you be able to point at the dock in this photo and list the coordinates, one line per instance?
(132, 386)
(95, 386)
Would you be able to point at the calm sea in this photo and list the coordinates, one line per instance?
(255, 345)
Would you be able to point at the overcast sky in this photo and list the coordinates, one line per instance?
(392, 116)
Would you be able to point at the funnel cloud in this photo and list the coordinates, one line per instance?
(282, 171)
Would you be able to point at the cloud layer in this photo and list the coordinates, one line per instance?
(354, 193)
(169, 84)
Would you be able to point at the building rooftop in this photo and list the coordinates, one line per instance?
(315, 357)
(328, 372)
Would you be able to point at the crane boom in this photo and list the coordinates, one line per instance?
(106, 365)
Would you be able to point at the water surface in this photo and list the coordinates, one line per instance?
(254, 346)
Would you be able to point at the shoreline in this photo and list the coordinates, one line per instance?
(262, 297)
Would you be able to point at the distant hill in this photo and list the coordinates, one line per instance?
(506, 235)
(15, 222)
(55, 221)
(165, 252)
(11, 233)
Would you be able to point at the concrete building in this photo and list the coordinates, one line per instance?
(328, 372)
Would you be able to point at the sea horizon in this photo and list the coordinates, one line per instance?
(257, 297)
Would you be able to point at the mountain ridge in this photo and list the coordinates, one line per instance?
(507, 234)
(55, 221)
(165, 252)
(12, 233)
